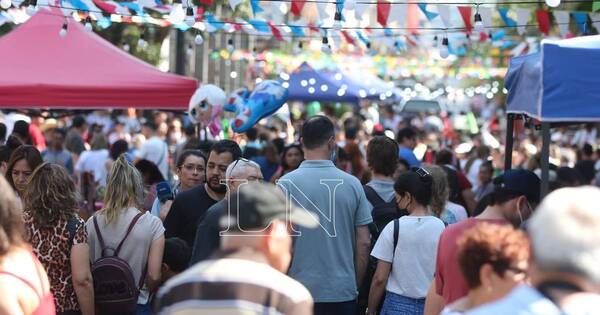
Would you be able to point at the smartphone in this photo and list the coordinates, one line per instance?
(164, 192)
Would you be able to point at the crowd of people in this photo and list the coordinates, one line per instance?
(129, 212)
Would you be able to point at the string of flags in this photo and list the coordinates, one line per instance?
(396, 24)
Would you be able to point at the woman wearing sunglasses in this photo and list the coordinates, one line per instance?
(493, 260)
(406, 261)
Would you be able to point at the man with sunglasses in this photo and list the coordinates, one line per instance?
(189, 207)
(511, 202)
(240, 172)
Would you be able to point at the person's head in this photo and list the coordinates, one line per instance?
(493, 258)
(565, 234)
(58, 138)
(486, 173)
(23, 161)
(176, 258)
(270, 152)
(318, 134)
(240, 171)
(356, 158)
(149, 129)
(483, 152)
(150, 172)
(4, 157)
(191, 168)
(568, 177)
(382, 155)
(99, 142)
(587, 151)
(260, 220)
(50, 195)
(413, 188)
(79, 123)
(444, 157)
(119, 147)
(252, 134)
(515, 195)
(2, 132)
(222, 153)
(292, 156)
(407, 137)
(439, 189)
(21, 131)
(11, 219)
(124, 189)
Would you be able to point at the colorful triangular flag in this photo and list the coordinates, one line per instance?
(507, 20)
(523, 16)
(383, 12)
(543, 19)
(465, 13)
(256, 6)
(581, 19)
(430, 15)
(562, 20)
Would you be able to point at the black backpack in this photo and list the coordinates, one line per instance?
(115, 290)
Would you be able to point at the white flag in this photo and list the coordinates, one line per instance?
(562, 20)
(360, 9)
(444, 11)
(595, 20)
(397, 15)
(523, 16)
(486, 16)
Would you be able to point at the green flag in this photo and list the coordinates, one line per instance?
(596, 6)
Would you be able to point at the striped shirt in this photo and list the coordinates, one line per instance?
(238, 283)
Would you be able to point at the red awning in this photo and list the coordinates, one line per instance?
(39, 68)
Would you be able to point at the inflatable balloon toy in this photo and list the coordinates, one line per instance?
(267, 98)
(206, 105)
(236, 99)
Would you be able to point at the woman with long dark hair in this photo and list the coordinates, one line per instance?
(23, 160)
(57, 235)
(291, 158)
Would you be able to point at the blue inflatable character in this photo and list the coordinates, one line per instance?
(267, 98)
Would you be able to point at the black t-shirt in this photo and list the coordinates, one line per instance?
(587, 170)
(207, 235)
(187, 211)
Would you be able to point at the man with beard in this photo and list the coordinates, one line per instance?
(189, 207)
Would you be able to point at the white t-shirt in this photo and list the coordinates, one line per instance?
(455, 211)
(413, 264)
(94, 162)
(155, 151)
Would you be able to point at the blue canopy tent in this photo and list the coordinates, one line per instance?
(561, 83)
(306, 84)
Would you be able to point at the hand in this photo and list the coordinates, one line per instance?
(164, 209)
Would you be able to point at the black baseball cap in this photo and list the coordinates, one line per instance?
(254, 205)
(520, 181)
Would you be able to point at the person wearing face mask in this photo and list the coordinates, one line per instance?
(512, 202)
(190, 206)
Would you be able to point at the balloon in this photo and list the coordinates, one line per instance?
(267, 98)
(205, 107)
(236, 99)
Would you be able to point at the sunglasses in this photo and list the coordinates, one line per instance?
(421, 172)
(237, 161)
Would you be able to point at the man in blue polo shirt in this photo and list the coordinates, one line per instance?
(331, 260)
(407, 141)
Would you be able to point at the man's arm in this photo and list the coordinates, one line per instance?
(361, 259)
(434, 304)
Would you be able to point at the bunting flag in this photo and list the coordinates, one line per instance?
(205, 2)
(348, 38)
(276, 33)
(486, 16)
(260, 26)
(339, 5)
(297, 29)
(360, 9)
(465, 13)
(562, 19)
(507, 20)
(133, 6)
(297, 6)
(79, 5)
(444, 12)
(581, 20)
(383, 12)
(256, 7)
(362, 37)
(523, 16)
(234, 3)
(543, 19)
(212, 24)
(498, 35)
(430, 15)
(398, 15)
(107, 7)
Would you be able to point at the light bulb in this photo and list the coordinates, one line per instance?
(230, 47)
(553, 3)
(444, 48)
(5, 4)
(479, 26)
(337, 22)
(190, 50)
(141, 43)
(63, 30)
(298, 49)
(88, 24)
(325, 48)
(126, 47)
(190, 20)
(349, 4)
(199, 39)
(177, 14)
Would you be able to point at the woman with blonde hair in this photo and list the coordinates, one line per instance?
(441, 207)
(142, 248)
(24, 286)
(57, 235)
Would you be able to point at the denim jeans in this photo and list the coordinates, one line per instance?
(400, 305)
(144, 309)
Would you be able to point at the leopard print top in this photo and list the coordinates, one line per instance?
(51, 246)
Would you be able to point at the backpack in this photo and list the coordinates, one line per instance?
(383, 212)
(115, 290)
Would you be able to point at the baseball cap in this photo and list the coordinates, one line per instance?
(257, 204)
(520, 181)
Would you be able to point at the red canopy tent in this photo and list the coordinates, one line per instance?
(39, 68)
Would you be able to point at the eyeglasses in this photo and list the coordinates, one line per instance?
(421, 172)
(194, 168)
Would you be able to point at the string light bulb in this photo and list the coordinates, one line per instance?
(88, 24)
(337, 21)
(5, 4)
(230, 47)
(32, 7)
(553, 3)
(126, 47)
(199, 39)
(142, 41)
(325, 48)
(190, 20)
(298, 48)
(63, 29)
(478, 25)
(444, 49)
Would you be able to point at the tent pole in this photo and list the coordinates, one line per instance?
(545, 163)
(508, 150)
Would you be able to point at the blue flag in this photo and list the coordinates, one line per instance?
(296, 30)
(498, 35)
(260, 25)
(430, 15)
(256, 7)
(581, 19)
(504, 15)
(79, 5)
(210, 19)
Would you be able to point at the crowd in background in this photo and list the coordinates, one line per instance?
(411, 214)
